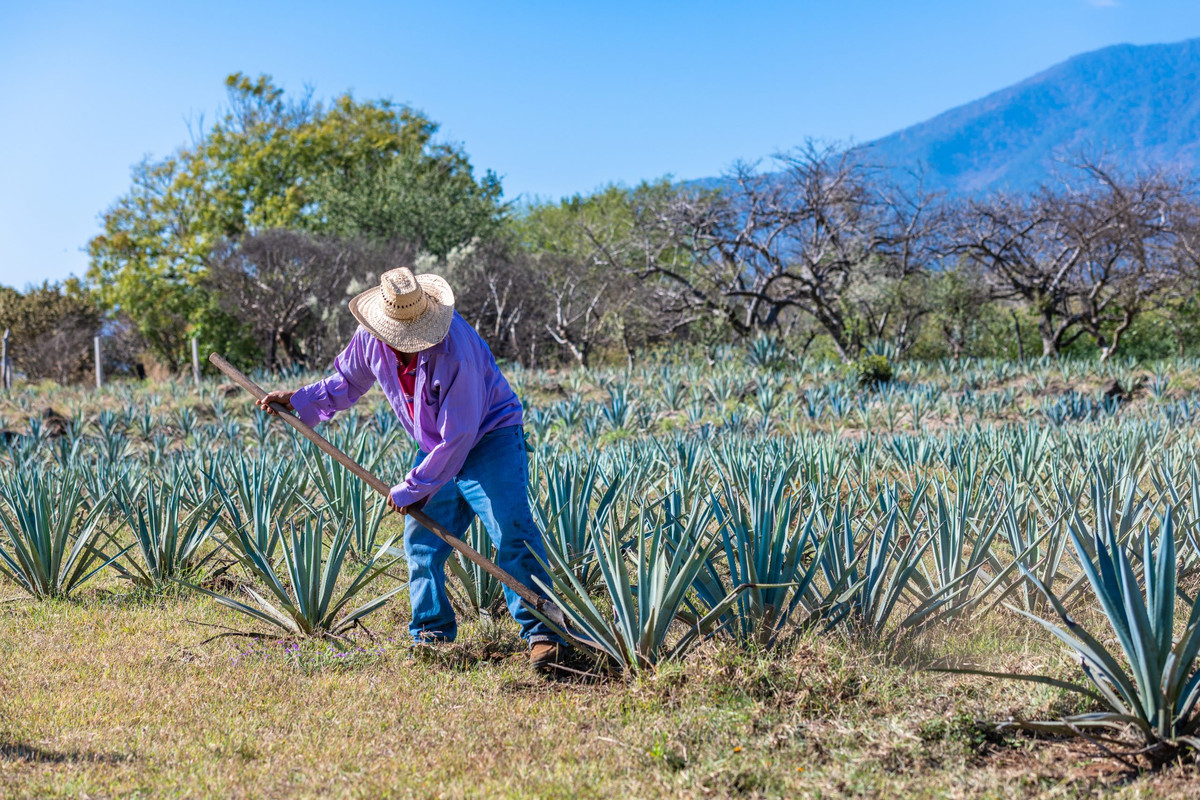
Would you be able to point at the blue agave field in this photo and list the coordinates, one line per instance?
(746, 499)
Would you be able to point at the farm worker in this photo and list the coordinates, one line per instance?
(444, 385)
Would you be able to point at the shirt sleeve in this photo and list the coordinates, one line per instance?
(351, 379)
(458, 420)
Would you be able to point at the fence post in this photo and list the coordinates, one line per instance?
(99, 365)
(196, 360)
(4, 374)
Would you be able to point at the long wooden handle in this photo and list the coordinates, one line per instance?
(542, 604)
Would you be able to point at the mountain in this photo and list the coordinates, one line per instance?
(1135, 105)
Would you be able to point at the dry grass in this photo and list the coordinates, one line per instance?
(112, 696)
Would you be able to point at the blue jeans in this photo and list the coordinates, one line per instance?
(491, 484)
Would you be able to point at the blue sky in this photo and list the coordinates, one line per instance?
(556, 97)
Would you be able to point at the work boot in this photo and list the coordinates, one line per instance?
(544, 657)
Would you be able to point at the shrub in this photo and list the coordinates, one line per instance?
(873, 371)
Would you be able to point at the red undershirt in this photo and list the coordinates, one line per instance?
(408, 377)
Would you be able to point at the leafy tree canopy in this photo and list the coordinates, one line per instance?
(350, 167)
(51, 327)
(575, 226)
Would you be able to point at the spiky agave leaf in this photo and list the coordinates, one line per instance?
(343, 491)
(768, 554)
(875, 578)
(483, 593)
(168, 539)
(51, 532)
(573, 506)
(309, 604)
(645, 603)
(1152, 683)
(962, 525)
(256, 493)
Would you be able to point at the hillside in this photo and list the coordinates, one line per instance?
(1137, 105)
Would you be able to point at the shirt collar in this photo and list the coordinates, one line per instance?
(400, 363)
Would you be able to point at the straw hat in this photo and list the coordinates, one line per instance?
(409, 312)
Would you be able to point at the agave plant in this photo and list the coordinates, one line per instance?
(144, 423)
(483, 595)
(644, 603)
(1038, 545)
(260, 429)
(52, 533)
(185, 422)
(767, 550)
(113, 444)
(879, 576)
(65, 449)
(1151, 684)
(308, 603)
(618, 412)
(1118, 505)
(962, 526)
(574, 505)
(260, 493)
(347, 496)
(672, 390)
(766, 352)
(169, 540)
(109, 423)
(765, 402)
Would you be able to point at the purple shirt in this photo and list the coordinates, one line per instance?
(460, 396)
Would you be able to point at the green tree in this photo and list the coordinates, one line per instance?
(270, 162)
(594, 254)
(428, 199)
(51, 329)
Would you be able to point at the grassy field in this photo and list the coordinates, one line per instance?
(113, 696)
(120, 691)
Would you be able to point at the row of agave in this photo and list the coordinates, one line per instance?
(758, 563)
(706, 529)
(591, 405)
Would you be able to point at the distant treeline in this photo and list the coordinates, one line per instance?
(253, 237)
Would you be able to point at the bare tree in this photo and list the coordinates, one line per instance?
(1128, 261)
(63, 353)
(498, 290)
(1027, 252)
(290, 288)
(892, 295)
(1086, 258)
(586, 253)
(52, 328)
(626, 249)
(822, 236)
(582, 303)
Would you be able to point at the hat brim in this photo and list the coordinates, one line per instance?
(415, 335)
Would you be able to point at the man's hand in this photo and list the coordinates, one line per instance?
(283, 397)
(403, 510)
